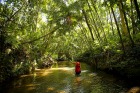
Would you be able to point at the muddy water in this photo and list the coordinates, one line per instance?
(61, 79)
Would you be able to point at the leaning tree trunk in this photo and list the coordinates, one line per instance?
(132, 19)
(132, 42)
(83, 31)
(124, 29)
(101, 24)
(95, 25)
(111, 23)
(86, 18)
(118, 30)
(137, 8)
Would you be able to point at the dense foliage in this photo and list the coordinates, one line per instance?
(105, 33)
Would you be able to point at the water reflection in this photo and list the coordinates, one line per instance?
(63, 80)
(77, 84)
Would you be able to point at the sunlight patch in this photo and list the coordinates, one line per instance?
(50, 88)
(63, 68)
(31, 85)
(62, 91)
(134, 90)
(31, 88)
(92, 74)
(84, 71)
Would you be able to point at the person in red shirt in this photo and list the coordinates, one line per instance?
(77, 68)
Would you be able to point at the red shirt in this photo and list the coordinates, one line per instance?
(77, 67)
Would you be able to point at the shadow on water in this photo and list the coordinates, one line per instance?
(61, 79)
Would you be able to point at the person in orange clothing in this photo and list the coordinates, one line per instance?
(77, 68)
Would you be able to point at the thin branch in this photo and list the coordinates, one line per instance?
(9, 19)
(40, 37)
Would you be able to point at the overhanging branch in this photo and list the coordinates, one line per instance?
(41, 36)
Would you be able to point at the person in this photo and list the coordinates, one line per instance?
(77, 68)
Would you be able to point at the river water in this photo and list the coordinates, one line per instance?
(61, 79)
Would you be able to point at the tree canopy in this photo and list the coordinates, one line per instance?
(69, 29)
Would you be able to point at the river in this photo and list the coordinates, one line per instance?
(61, 79)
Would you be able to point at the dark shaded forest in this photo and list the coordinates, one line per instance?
(102, 33)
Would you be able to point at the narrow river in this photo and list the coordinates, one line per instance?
(61, 79)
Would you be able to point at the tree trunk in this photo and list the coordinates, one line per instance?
(132, 42)
(96, 28)
(137, 8)
(101, 25)
(86, 19)
(124, 29)
(132, 18)
(118, 30)
(111, 24)
(83, 31)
